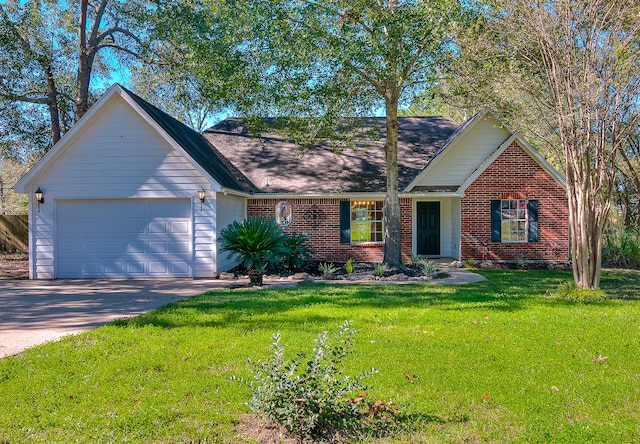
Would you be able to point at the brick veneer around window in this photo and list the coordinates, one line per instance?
(320, 220)
(514, 175)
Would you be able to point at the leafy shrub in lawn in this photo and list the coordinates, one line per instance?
(571, 292)
(309, 395)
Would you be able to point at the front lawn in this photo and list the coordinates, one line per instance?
(495, 361)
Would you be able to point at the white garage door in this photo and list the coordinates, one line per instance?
(123, 238)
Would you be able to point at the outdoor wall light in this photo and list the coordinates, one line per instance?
(201, 197)
(39, 197)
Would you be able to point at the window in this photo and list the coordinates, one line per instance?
(514, 220)
(513, 226)
(283, 213)
(367, 221)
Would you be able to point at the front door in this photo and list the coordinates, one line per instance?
(428, 228)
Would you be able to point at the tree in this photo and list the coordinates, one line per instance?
(578, 64)
(339, 58)
(43, 62)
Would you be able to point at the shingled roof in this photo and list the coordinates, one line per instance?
(196, 146)
(274, 165)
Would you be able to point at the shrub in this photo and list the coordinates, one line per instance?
(427, 267)
(253, 241)
(378, 269)
(571, 292)
(296, 251)
(622, 248)
(349, 266)
(327, 269)
(308, 395)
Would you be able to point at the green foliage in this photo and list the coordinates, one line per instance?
(253, 241)
(378, 269)
(622, 248)
(308, 395)
(296, 251)
(163, 377)
(327, 269)
(349, 266)
(427, 267)
(571, 292)
(470, 263)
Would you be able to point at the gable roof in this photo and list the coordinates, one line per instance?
(189, 142)
(196, 146)
(274, 164)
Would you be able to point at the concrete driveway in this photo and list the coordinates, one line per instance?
(33, 312)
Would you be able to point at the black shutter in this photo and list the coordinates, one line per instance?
(345, 222)
(496, 221)
(532, 207)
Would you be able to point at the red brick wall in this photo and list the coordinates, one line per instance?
(514, 175)
(320, 220)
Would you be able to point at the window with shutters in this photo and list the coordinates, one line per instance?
(514, 220)
(367, 221)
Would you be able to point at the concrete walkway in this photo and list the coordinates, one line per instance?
(34, 312)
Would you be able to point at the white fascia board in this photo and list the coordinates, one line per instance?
(354, 195)
(233, 192)
(468, 126)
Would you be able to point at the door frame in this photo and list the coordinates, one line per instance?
(417, 227)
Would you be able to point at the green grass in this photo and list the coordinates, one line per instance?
(495, 361)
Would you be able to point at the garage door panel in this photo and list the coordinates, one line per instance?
(128, 238)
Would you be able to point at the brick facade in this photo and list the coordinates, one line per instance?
(514, 175)
(320, 220)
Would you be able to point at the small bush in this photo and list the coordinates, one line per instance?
(309, 395)
(378, 269)
(426, 266)
(327, 269)
(571, 292)
(253, 242)
(349, 266)
(622, 248)
(296, 251)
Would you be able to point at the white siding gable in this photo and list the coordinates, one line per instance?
(120, 155)
(466, 153)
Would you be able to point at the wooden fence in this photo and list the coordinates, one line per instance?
(14, 233)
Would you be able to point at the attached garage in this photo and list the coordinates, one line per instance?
(130, 192)
(107, 238)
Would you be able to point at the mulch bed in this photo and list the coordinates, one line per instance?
(14, 265)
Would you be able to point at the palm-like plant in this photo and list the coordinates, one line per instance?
(253, 241)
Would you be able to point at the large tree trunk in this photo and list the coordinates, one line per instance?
(52, 104)
(392, 215)
(84, 71)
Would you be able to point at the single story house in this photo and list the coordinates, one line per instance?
(131, 192)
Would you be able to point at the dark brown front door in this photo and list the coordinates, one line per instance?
(428, 228)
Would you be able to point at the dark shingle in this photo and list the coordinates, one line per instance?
(274, 165)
